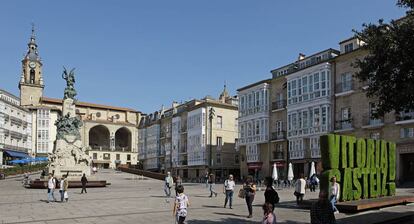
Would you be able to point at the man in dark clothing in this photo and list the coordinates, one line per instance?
(84, 181)
(271, 196)
(322, 211)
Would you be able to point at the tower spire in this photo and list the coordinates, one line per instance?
(33, 36)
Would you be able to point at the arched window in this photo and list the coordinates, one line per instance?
(32, 76)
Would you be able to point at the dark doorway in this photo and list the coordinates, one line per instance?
(407, 162)
(123, 139)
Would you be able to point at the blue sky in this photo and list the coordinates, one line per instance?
(142, 54)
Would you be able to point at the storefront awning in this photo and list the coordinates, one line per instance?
(16, 154)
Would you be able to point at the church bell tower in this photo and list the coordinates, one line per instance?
(31, 80)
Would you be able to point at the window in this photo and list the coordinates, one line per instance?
(118, 157)
(406, 132)
(349, 47)
(107, 156)
(219, 142)
(236, 159)
(32, 76)
(345, 114)
(218, 158)
(95, 156)
(279, 127)
(128, 157)
(219, 122)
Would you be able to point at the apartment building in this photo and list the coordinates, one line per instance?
(15, 129)
(353, 111)
(278, 122)
(253, 142)
(309, 107)
(195, 137)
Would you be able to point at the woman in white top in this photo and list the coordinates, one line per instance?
(300, 189)
(335, 193)
(229, 185)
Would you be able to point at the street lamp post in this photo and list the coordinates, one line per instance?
(210, 117)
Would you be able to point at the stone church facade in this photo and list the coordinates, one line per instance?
(110, 133)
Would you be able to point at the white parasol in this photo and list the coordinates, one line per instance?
(290, 172)
(274, 174)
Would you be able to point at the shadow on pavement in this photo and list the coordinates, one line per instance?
(233, 221)
(382, 217)
(212, 206)
(228, 214)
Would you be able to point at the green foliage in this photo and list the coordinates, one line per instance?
(361, 153)
(357, 193)
(384, 155)
(365, 182)
(389, 66)
(351, 151)
(370, 153)
(347, 191)
(22, 169)
(406, 3)
(344, 157)
(372, 183)
(330, 145)
(391, 189)
(377, 153)
(384, 190)
(391, 162)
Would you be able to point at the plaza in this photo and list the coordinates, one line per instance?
(130, 199)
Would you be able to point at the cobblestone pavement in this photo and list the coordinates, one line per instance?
(129, 200)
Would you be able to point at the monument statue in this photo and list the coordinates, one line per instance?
(69, 157)
(70, 91)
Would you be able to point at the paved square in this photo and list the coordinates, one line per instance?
(128, 200)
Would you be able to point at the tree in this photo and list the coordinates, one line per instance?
(389, 66)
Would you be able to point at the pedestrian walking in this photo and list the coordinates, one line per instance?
(322, 211)
(168, 184)
(249, 188)
(228, 189)
(268, 216)
(65, 188)
(314, 181)
(206, 179)
(334, 194)
(178, 182)
(61, 190)
(51, 185)
(271, 196)
(180, 206)
(84, 181)
(211, 184)
(300, 189)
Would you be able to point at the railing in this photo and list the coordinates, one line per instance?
(344, 86)
(343, 124)
(279, 104)
(279, 135)
(367, 120)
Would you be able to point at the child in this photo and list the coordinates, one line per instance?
(268, 215)
(180, 205)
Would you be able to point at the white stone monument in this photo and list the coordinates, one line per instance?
(69, 157)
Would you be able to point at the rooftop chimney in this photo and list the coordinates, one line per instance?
(301, 56)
